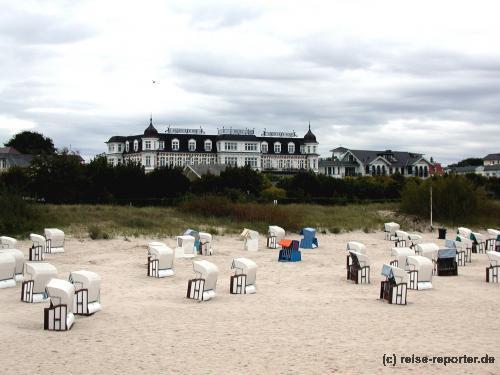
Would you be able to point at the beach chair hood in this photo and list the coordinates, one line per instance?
(41, 273)
(356, 246)
(87, 280)
(247, 267)
(208, 271)
(61, 292)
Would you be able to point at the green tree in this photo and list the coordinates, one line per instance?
(33, 143)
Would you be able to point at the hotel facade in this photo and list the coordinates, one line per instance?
(278, 152)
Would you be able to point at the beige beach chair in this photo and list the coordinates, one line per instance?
(400, 254)
(160, 260)
(420, 269)
(251, 239)
(274, 235)
(37, 276)
(7, 242)
(493, 270)
(185, 247)
(202, 287)
(243, 280)
(394, 288)
(54, 240)
(390, 230)
(19, 258)
(358, 267)
(59, 315)
(87, 285)
(7, 270)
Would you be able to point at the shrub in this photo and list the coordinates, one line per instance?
(272, 193)
(97, 233)
(17, 216)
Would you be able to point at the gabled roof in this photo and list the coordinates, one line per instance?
(339, 149)
(9, 150)
(492, 157)
(402, 158)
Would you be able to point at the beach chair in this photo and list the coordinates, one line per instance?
(390, 230)
(464, 232)
(358, 267)
(202, 287)
(7, 242)
(243, 280)
(493, 240)
(400, 238)
(428, 250)
(290, 251)
(356, 246)
(309, 240)
(493, 270)
(400, 254)
(55, 240)
(394, 288)
(205, 243)
(446, 263)
(420, 270)
(478, 242)
(251, 239)
(87, 285)
(160, 260)
(464, 249)
(59, 315)
(37, 248)
(196, 235)
(7, 270)
(274, 235)
(19, 258)
(37, 276)
(185, 247)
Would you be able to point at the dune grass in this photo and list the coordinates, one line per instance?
(107, 221)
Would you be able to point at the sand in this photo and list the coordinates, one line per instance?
(306, 318)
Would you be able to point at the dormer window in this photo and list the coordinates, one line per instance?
(136, 145)
(127, 146)
(264, 147)
(208, 145)
(192, 145)
(277, 148)
(291, 148)
(175, 145)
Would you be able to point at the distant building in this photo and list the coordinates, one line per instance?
(346, 162)
(436, 169)
(10, 157)
(490, 167)
(272, 152)
(491, 159)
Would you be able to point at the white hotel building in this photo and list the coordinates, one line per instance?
(280, 152)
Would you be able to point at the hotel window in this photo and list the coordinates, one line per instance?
(111, 148)
(192, 145)
(175, 145)
(308, 149)
(230, 146)
(162, 161)
(208, 145)
(119, 147)
(280, 164)
(231, 160)
(314, 149)
(162, 145)
(250, 147)
(148, 161)
(136, 145)
(127, 144)
(301, 164)
(252, 162)
(302, 149)
(147, 145)
(3, 163)
(263, 147)
(291, 148)
(277, 148)
(288, 164)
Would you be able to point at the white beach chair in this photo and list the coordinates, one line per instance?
(243, 280)
(274, 235)
(464, 247)
(202, 287)
(87, 285)
(37, 276)
(420, 270)
(185, 247)
(59, 316)
(493, 240)
(358, 267)
(478, 242)
(394, 288)
(37, 248)
(251, 238)
(55, 240)
(19, 257)
(7, 270)
(356, 246)
(7, 242)
(390, 230)
(493, 270)
(464, 232)
(160, 260)
(205, 243)
(400, 254)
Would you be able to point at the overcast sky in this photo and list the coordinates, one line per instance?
(422, 76)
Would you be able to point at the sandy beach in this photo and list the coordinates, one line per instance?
(305, 318)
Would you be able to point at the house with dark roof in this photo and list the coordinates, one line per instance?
(272, 152)
(346, 162)
(10, 157)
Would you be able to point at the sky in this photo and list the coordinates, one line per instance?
(421, 76)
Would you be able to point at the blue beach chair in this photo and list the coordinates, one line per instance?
(309, 240)
(289, 251)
